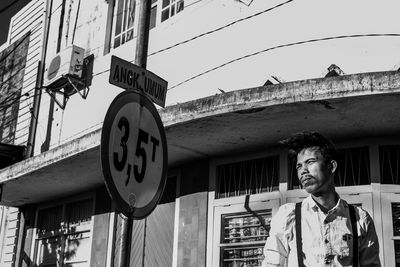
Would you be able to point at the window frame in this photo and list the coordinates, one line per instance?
(219, 211)
(124, 21)
(234, 204)
(172, 8)
(62, 235)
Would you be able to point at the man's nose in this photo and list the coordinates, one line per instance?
(303, 169)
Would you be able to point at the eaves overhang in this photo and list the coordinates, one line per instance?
(344, 107)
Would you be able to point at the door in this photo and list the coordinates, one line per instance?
(391, 228)
(240, 233)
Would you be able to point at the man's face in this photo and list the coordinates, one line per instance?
(314, 173)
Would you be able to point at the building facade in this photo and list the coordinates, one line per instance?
(227, 174)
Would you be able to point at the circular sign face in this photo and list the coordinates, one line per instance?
(134, 154)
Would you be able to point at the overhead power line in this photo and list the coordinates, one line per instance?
(221, 28)
(286, 45)
(203, 34)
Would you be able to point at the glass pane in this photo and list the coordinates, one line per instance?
(49, 220)
(172, 10)
(153, 17)
(77, 249)
(48, 251)
(79, 215)
(125, 15)
(248, 177)
(245, 227)
(118, 23)
(131, 14)
(397, 252)
(165, 14)
(117, 42)
(129, 35)
(244, 236)
(242, 256)
(153, 1)
(389, 159)
(353, 168)
(396, 218)
(123, 39)
(180, 6)
(165, 3)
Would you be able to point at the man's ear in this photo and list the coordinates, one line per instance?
(333, 166)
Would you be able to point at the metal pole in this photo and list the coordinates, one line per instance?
(142, 44)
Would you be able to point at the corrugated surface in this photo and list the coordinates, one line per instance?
(10, 237)
(160, 236)
(136, 259)
(192, 230)
(30, 18)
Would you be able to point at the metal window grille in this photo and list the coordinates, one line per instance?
(248, 177)
(353, 168)
(389, 159)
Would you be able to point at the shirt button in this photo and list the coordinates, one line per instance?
(326, 241)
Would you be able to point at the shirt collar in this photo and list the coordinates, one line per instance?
(340, 205)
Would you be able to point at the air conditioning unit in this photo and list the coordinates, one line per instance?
(68, 62)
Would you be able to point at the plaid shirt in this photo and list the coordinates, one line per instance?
(327, 238)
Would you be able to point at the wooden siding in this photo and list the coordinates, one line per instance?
(8, 255)
(29, 19)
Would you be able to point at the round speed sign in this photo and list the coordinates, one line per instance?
(134, 154)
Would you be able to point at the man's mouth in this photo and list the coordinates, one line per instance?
(305, 180)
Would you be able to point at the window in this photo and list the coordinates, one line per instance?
(248, 177)
(170, 8)
(353, 168)
(389, 159)
(243, 238)
(124, 14)
(63, 234)
(153, 14)
(241, 231)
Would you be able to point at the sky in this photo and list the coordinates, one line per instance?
(6, 13)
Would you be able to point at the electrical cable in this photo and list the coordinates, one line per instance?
(286, 45)
(220, 28)
(205, 33)
(17, 99)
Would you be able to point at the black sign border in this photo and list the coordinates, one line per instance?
(120, 101)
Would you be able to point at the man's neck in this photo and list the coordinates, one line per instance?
(326, 200)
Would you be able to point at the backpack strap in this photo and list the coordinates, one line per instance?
(353, 221)
(299, 241)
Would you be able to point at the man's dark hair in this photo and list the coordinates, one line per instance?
(306, 139)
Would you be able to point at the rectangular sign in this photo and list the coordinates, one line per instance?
(127, 75)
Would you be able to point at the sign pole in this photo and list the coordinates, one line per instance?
(142, 44)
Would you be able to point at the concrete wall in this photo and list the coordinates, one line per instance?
(86, 24)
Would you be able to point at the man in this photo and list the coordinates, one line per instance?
(326, 221)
